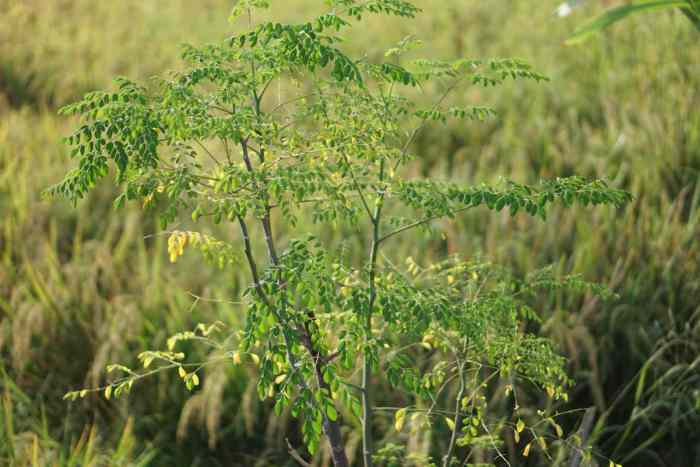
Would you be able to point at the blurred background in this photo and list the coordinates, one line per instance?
(81, 287)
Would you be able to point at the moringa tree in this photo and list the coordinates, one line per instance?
(215, 141)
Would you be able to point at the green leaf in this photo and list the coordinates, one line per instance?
(332, 413)
(317, 426)
(616, 14)
(356, 408)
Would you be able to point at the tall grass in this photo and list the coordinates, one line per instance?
(83, 287)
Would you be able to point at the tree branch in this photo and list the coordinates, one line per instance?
(583, 432)
(211, 156)
(367, 441)
(297, 457)
(420, 222)
(457, 420)
(331, 428)
(358, 189)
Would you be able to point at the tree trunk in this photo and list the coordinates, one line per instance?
(330, 428)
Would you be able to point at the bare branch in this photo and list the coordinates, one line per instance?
(297, 457)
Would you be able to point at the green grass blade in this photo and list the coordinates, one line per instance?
(616, 14)
(693, 14)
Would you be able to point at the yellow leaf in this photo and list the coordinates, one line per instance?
(255, 358)
(450, 423)
(280, 379)
(108, 392)
(526, 451)
(450, 280)
(181, 371)
(520, 426)
(542, 443)
(195, 379)
(516, 435)
(236, 358)
(558, 429)
(399, 419)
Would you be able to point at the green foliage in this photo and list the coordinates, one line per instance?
(211, 141)
(608, 112)
(690, 8)
(26, 442)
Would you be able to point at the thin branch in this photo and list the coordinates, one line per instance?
(420, 222)
(216, 107)
(264, 89)
(499, 454)
(297, 457)
(583, 433)
(212, 300)
(216, 161)
(415, 131)
(439, 391)
(251, 262)
(330, 428)
(354, 386)
(359, 190)
(266, 224)
(226, 149)
(458, 419)
(435, 107)
(258, 287)
(367, 448)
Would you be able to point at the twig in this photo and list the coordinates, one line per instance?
(297, 457)
(583, 433)
(211, 156)
(420, 222)
(458, 419)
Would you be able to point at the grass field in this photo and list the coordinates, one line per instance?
(81, 288)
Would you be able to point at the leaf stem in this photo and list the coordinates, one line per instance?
(457, 420)
(367, 440)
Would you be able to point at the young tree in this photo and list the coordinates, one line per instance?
(212, 141)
